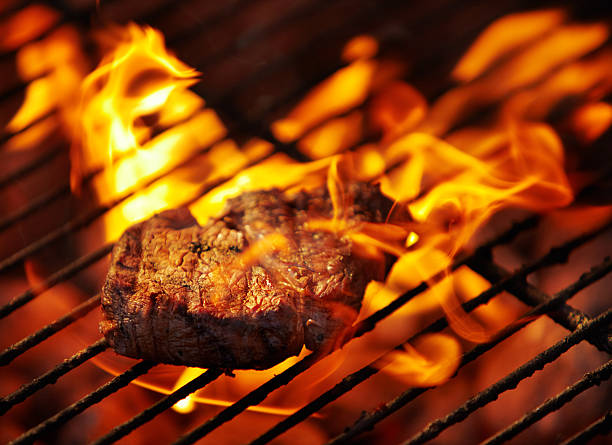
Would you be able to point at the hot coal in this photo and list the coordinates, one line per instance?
(247, 290)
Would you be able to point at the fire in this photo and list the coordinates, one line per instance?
(591, 120)
(27, 24)
(346, 89)
(430, 362)
(139, 78)
(52, 66)
(149, 143)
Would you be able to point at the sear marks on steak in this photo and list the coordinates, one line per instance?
(225, 295)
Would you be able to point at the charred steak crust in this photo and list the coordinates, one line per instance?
(183, 294)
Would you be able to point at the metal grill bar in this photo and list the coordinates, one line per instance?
(7, 136)
(601, 426)
(351, 381)
(369, 324)
(589, 380)
(142, 418)
(32, 340)
(366, 325)
(51, 376)
(30, 166)
(367, 421)
(85, 261)
(564, 315)
(59, 276)
(223, 14)
(222, 108)
(240, 44)
(33, 205)
(63, 189)
(92, 398)
(150, 413)
(287, 148)
(253, 398)
(87, 218)
(221, 103)
(511, 381)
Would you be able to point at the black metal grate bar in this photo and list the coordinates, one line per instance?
(39, 162)
(34, 205)
(589, 380)
(85, 261)
(364, 326)
(12, 9)
(564, 315)
(252, 37)
(351, 381)
(87, 218)
(253, 398)
(59, 276)
(92, 398)
(51, 376)
(480, 261)
(4, 137)
(10, 353)
(263, 131)
(150, 413)
(600, 427)
(368, 420)
(364, 14)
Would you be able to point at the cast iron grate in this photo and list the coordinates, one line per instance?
(369, 18)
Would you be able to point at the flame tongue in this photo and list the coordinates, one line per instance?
(137, 79)
(139, 120)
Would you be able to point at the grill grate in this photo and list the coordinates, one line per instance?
(581, 327)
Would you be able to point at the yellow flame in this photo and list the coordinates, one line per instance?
(136, 79)
(502, 36)
(429, 361)
(139, 114)
(53, 65)
(347, 88)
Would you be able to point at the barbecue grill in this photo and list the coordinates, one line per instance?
(258, 59)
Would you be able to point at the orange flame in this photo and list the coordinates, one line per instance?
(346, 89)
(591, 120)
(430, 361)
(444, 185)
(27, 24)
(53, 66)
(139, 78)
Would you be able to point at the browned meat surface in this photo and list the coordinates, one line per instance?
(247, 290)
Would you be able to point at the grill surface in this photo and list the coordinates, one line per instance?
(258, 59)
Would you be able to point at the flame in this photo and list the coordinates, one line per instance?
(503, 36)
(526, 66)
(25, 25)
(360, 47)
(591, 120)
(140, 122)
(139, 78)
(429, 361)
(53, 66)
(397, 108)
(344, 90)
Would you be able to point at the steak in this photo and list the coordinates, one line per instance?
(246, 290)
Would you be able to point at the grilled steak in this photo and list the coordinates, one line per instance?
(246, 290)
